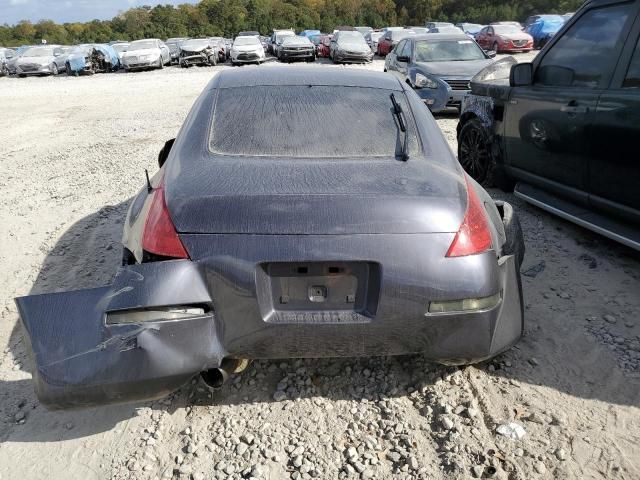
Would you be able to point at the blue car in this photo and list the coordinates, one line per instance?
(544, 28)
(92, 58)
(309, 33)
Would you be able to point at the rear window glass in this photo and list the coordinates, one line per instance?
(308, 122)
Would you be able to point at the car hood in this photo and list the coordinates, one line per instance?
(354, 46)
(137, 53)
(516, 36)
(454, 69)
(36, 60)
(298, 43)
(195, 47)
(315, 197)
(247, 48)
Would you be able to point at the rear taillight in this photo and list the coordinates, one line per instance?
(473, 235)
(160, 236)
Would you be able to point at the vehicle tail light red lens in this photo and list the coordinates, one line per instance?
(160, 236)
(473, 235)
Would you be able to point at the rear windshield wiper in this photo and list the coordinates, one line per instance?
(398, 113)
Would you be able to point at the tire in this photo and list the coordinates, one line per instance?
(54, 69)
(474, 152)
(160, 63)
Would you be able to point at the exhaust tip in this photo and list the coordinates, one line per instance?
(215, 377)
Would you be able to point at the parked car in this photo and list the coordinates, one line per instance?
(543, 30)
(564, 128)
(324, 47)
(145, 54)
(219, 45)
(6, 54)
(350, 47)
(372, 40)
(504, 38)
(390, 39)
(199, 51)
(439, 67)
(276, 39)
(122, 47)
(247, 50)
(294, 47)
(431, 25)
(10, 63)
(92, 58)
(534, 18)
(308, 254)
(471, 29)
(228, 43)
(36, 60)
(174, 48)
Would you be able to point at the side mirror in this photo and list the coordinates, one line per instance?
(164, 153)
(492, 54)
(402, 58)
(521, 75)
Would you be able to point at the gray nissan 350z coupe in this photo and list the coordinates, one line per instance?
(262, 236)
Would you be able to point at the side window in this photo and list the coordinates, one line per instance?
(585, 55)
(632, 79)
(406, 49)
(400, 47)
(489, 31)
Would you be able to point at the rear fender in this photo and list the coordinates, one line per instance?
(80, 360)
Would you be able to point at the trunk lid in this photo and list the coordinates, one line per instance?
(315, 197)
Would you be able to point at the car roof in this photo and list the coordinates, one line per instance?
(441, 36)
(305, 76)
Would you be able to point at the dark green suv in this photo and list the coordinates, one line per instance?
(564, 130)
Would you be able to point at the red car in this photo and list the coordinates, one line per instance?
(388, 41)
(504, 38)
(323, 47)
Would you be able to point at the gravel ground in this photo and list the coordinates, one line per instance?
(73, 153)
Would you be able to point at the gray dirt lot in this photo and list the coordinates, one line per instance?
(73, 153)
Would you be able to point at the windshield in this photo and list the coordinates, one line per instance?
(506, 29)
(247, 41)
(38, 52)
(142, 45)
(120, 47)
(448, 50)
(282, 121)
(352, 38)
(281, 36)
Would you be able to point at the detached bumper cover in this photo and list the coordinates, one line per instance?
(80, 360)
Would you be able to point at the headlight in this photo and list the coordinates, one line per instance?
(425, 82)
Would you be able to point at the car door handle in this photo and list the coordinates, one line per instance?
(573, 108)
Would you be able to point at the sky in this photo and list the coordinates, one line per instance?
(12, 11)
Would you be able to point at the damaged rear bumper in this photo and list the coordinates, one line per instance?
(81, 358)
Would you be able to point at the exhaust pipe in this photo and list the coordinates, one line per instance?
(216, 377)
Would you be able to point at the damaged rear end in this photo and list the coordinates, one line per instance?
(239, 250)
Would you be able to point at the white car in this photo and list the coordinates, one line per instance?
(247, 50)
(150, 53)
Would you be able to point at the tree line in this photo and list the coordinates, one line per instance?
(228, 17)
